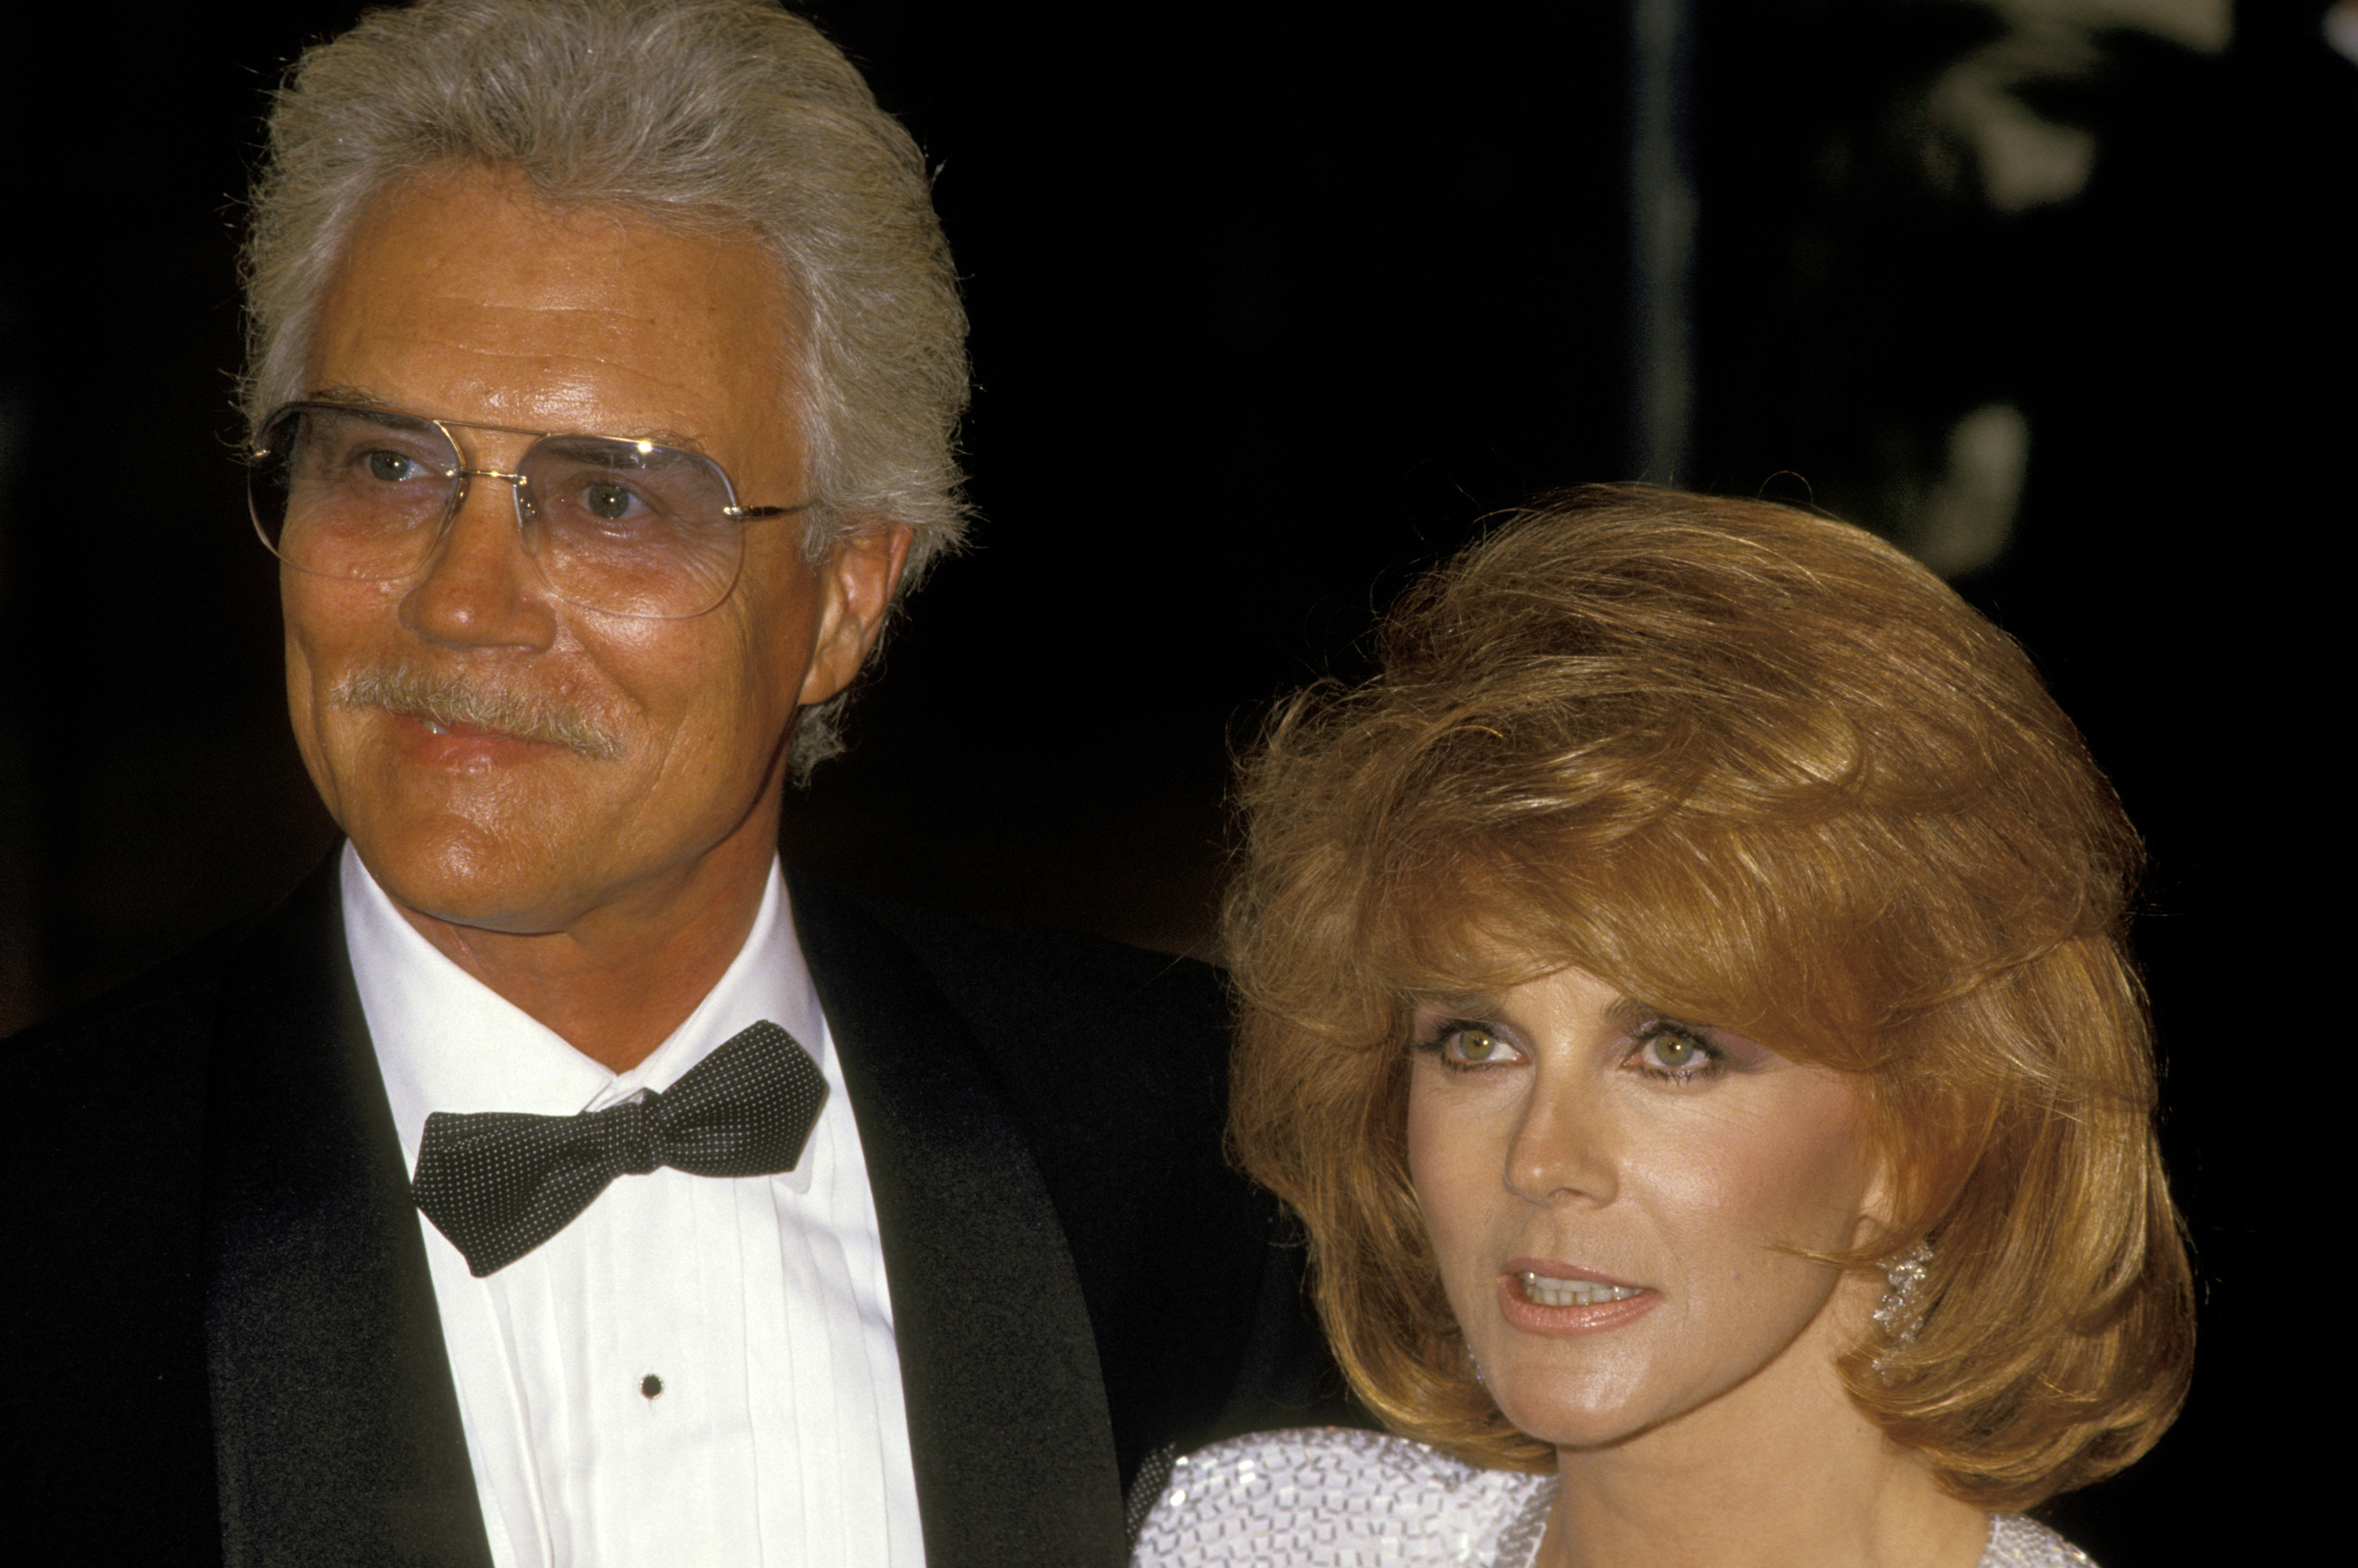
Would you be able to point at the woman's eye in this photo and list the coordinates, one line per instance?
(1474, 1045)
(1462, 1045)
(1667, 1051)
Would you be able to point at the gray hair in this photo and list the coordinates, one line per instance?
(699, 115)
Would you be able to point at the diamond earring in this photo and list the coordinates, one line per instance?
(1900, 1314)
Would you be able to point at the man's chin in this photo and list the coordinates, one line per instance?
(463, 876)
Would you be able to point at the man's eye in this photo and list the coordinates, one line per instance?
(391, 467)
(608, 502)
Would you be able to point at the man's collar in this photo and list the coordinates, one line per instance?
(447, 1042)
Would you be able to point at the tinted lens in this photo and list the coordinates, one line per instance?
(350, 493)
(631, 527)
(624, 526)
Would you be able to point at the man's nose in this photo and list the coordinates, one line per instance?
(480, 587)
(1564, 1149)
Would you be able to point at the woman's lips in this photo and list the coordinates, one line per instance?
(1542, 1291)
(1542, 1297)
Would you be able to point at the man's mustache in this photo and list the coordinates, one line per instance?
(451, 700)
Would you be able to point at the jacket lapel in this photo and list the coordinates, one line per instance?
(336, 1424)
(337, 1430)
(1009, 1427)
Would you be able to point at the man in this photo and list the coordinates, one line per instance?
(551, 1179)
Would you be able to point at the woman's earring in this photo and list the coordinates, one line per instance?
(1901, 1312)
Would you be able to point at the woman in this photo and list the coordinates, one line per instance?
(1686, 1002)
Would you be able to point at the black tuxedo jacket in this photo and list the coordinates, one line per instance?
(225, 1342)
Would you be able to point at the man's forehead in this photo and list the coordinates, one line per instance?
(480, 242)
(465, 297)
(352, 397)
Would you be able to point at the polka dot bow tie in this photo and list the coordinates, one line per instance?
(498, 1183)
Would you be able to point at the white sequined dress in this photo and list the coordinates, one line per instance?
(1331, 1499)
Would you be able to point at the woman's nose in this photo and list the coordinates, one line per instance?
(1562, 1150)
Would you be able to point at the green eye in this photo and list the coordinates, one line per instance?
(607, 502)
(1670, 1050)
(390, 467)
(1462, 1045)
(1476, 1044)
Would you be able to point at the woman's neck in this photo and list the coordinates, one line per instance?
(1781, 1470)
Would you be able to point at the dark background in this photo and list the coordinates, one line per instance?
(1272, 305)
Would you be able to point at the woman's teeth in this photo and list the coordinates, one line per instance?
(1550, 1293)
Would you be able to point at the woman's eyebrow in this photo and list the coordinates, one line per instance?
(1629, 1013)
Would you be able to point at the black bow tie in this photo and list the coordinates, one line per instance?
(498, 1183)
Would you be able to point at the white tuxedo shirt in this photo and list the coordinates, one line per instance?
(696, 1370)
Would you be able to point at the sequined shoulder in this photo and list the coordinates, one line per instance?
(1317, 1497)
(2019, 1543)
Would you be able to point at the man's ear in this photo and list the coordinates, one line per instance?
(858, 583)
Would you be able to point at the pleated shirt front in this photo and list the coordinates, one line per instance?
(696, 1370)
